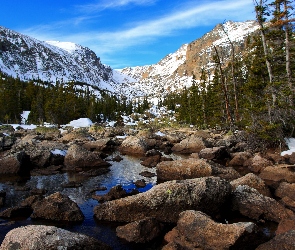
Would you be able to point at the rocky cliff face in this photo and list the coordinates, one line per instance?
(176, 70)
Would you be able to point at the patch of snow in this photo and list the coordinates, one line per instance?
(159, 133)
(32, 126)
(291, 145)
(24, 116)
(80, 123)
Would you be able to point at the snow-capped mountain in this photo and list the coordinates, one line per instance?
(28, 58)
(177, 69)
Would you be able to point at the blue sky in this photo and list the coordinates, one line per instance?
(122, 32)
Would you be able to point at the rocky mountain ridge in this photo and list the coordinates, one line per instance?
(28, 58)
(176, 70)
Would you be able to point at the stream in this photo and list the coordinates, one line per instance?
(124, 173)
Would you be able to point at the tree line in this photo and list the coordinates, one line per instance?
(60, 103)
(253, 90)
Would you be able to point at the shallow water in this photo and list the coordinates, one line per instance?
(125, 173)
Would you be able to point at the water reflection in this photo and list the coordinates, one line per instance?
(125, 173)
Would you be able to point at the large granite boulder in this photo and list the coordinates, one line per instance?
(141, 231)
(133, 145)
(192, 144)
(165, 201)
(57, 207)
(36, 237)
(283, 241)
(17, 163)
(249, 202)
(193, 168)
(183, 169)
(239, 158)
(252, 181)
(278, 173)
(196, 230)
(78, 157)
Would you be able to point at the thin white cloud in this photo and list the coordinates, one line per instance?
(165, 26)
(108, 4)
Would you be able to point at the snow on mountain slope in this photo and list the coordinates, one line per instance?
(176, 70)
(28, 58)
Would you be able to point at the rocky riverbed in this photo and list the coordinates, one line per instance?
(119, 188)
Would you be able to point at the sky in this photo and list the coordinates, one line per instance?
(123, 33)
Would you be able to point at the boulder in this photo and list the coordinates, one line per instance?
(249, 202)
(285, 225)
(115, 192)
(99, 145)
(257, 163)
(17, 163)
(239, 159)
(278, 173)
(183, 169)
(151, 161)
(286, 189)
(252, 181)
(193, 168)
(284, 241)
(36, 237)
(57, 207)
(196, 230)
(133, 145)
(166, 200)
(216, 153)
(16, 212)
(192, 144)
(78, 157)
(141, 231)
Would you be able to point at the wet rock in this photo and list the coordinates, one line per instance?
(17, 163)
(140, 183)
(16, 212)
(278, 173)
(57, 207)
(252, 181)
(183, 169)
(249, 202)
(147, 174)
(133, 145)
(216, 153)
(192, 144)
(196, 230)
(257, 163)
(36, 237)
(151, 161)
(117, 158)
(51, 170)
(79, 158)
(116, 192)
(284, 241)
(290, 158)
(141, 231)
(165, 201)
